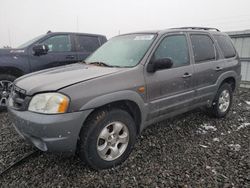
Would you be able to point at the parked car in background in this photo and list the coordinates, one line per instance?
(134, 80)
(49, 50)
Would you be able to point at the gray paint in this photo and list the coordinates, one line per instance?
(57, 133)
(167, 93)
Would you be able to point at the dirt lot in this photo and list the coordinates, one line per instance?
(191, 150)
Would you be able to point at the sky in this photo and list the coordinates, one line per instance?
(22, 20)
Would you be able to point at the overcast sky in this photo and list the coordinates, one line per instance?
(21, 20)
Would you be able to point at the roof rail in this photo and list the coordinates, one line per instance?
(198, 28)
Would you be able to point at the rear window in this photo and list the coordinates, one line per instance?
(226, 46)
(87, 44)
(203, 48)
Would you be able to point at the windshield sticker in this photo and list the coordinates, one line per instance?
(144, 37)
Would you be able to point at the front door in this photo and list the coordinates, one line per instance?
(61, 52)
(170, 90)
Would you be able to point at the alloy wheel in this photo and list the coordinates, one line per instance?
(5, 90)
(112, 141)
(224, 101)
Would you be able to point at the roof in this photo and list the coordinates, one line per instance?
(90, 34)
(181, 29)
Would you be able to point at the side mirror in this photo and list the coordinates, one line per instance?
(164, 63)
(40, 49)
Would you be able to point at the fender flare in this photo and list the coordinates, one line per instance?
(229, 74)
(127, 95)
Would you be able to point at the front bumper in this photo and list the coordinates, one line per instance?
(53, 133)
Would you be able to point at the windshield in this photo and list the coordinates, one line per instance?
(30, 42)
(122, 51)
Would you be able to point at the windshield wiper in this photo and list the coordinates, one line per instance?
(99, 63)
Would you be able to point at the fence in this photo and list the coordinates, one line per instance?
(241, 40)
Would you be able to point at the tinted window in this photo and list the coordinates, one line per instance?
(87, 43)
(225, 45)
(203, 48)
(174, 47)
(58, 43)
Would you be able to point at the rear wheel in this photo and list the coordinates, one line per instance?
(107, 138)
(222, 102)
(6, 83)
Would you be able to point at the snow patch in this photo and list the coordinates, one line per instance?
(242, 126)
(205, 128)
(247, 102)
(235, 147)
(216, 139)
(204, 146)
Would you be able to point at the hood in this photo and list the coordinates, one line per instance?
(8, 51)
(60, 77)
(4, 51)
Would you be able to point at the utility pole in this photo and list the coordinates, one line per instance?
(77, 24)
(9, 37)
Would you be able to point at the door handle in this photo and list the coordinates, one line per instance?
(186, 75)
(218, 68)
(70, 57)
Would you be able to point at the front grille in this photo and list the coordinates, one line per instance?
(18, 99)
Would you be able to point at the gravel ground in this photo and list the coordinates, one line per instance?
(191, 150)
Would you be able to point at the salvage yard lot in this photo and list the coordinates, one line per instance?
(189, 150)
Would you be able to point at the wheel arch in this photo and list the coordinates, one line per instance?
(126, 100)
(231, 81)
(228, 77)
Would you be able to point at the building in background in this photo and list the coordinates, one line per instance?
(241, 40)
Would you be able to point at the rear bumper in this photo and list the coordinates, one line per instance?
(53, 133)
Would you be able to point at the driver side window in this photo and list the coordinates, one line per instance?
(174, 47)
(58, 43)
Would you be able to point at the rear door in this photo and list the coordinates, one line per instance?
(61, 52)
(229, 54)
(171, 90)
(208, 66)
(85, 45)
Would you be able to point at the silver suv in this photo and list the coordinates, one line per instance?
(97, 108)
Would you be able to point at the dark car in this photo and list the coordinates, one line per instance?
(99, 107)
(49, 50)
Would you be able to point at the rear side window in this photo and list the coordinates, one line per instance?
(203, 48)
(226, 46)
(174, 47)
(87, 44)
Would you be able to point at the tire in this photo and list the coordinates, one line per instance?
(217, 110)
(101, 125)
(5, 79)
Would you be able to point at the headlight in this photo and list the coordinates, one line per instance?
(49, 103)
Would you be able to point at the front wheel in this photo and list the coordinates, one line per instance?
(107, 138)
(6, 83)
(222, 102)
